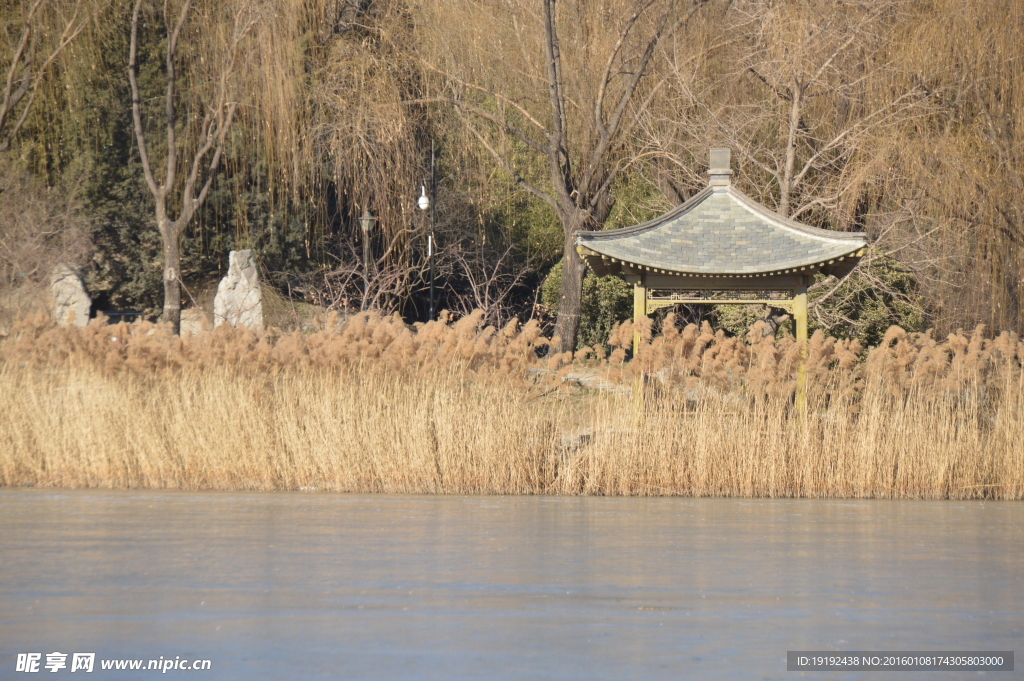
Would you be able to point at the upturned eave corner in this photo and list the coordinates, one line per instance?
(729, 237)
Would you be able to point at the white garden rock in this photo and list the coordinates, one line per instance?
(239, 301)
(71, 302)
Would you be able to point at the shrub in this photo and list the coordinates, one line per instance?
(607, 301)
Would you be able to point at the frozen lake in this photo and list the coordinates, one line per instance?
(319, 586)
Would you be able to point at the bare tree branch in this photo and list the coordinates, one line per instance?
(211, 137)
(22, 71)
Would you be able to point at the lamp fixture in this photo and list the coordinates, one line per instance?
(367, 221)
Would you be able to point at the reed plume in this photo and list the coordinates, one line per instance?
(372, 404)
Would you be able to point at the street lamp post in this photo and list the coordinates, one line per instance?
(430, 256)
(424, 204)
(367, 222)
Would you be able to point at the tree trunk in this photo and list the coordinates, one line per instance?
(172, 281)
(573, 268)
(209, 139)
(786, 185)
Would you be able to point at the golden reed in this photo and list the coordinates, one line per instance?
(372, 405)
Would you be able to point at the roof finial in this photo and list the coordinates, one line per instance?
(719, 170)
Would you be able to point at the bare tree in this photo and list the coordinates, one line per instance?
(811, 98)
(556, 103)
(815, 91)
(965, 161)
(489, 274)
(39, 228)
(827, 83)
(348, 285)
(474, 270)
(33, 50)
(173, 193)
(385, 283)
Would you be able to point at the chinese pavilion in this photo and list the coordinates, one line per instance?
(721, 246)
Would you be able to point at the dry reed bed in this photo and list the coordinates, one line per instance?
(447, 407)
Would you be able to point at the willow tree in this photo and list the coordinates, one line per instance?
(192, 144)
(375, 146)
(33, 34)
(965, 160)
(551, 92)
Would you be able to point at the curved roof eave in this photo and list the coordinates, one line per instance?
(809, 248)
(839, 266)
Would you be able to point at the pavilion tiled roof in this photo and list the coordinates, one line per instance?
(722, 232)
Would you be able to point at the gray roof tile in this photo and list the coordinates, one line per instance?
(722, 231)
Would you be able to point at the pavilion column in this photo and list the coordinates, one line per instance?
(800, 309)
(800, 319)
(639, 311)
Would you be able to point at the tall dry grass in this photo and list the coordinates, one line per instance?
(451, 407)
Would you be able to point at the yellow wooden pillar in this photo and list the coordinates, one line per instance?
(800, 319)
(639, 312)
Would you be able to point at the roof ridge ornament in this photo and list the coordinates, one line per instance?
(720, 168)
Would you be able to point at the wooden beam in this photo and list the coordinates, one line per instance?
(658, 303)
(691, 283)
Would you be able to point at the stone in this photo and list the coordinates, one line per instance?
(194, 321)
(71, 302)
(239, 301)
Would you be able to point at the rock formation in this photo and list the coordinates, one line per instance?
(238, 301)
(71, 302)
